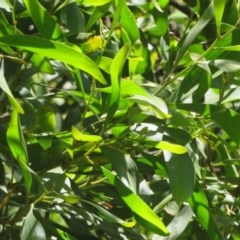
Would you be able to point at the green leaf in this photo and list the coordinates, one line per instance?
(226, 65)
(194, 32)
(227, 119)
(235, 48)
(55, 50)
(84, 137)
(181, 176)
(49, 118)
(32, 228)
(219, 6)
(45, 23)
(18, 148)
(125, 167)
(6, 89)
(170, 147)
(128, 22)
(115, 73)
(71, 15)
(94, 2)
(128, 87)
(157, 5)
(144, 213)
(5, 5)
(178, 224)
(98, 12)
(152, 105)
(200, 207)
(110, 217)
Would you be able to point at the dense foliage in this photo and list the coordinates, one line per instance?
(119, 119)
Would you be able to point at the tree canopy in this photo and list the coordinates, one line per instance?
(119, 119)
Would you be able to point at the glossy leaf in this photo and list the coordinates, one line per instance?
(128, 87)
(98, 12)
(84, 137)
(32, 228)
(55, 50)
(129, 24)
(219, 7)
(94, 2)
(152, 105)
(144, 213)
(178, 224)
(171, 147)
(49, 118)
(5, 5)
(18, 148)
(200, 207)
(115, 72)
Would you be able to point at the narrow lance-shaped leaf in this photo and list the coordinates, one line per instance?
(55, 50)
(181, 175)
(219, 6)
(115, 73)
(45, 23)
(32, 228)
(144, 214)
(79, 136)
(178, 224)
(171, 147)
(18, 148)
(5, 88)
(193, 33)
(200, 207)
(124, 165)
(110, 217)
(94, 2)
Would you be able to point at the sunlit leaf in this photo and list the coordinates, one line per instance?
(200, 207)
(55, 50)
(84, 137)
(5, 5)
(152, 105)
(115, 73)
(219, 6)
(94, 2)
(98, 12)
(18, 148)
(145, 214)
(173, 148)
